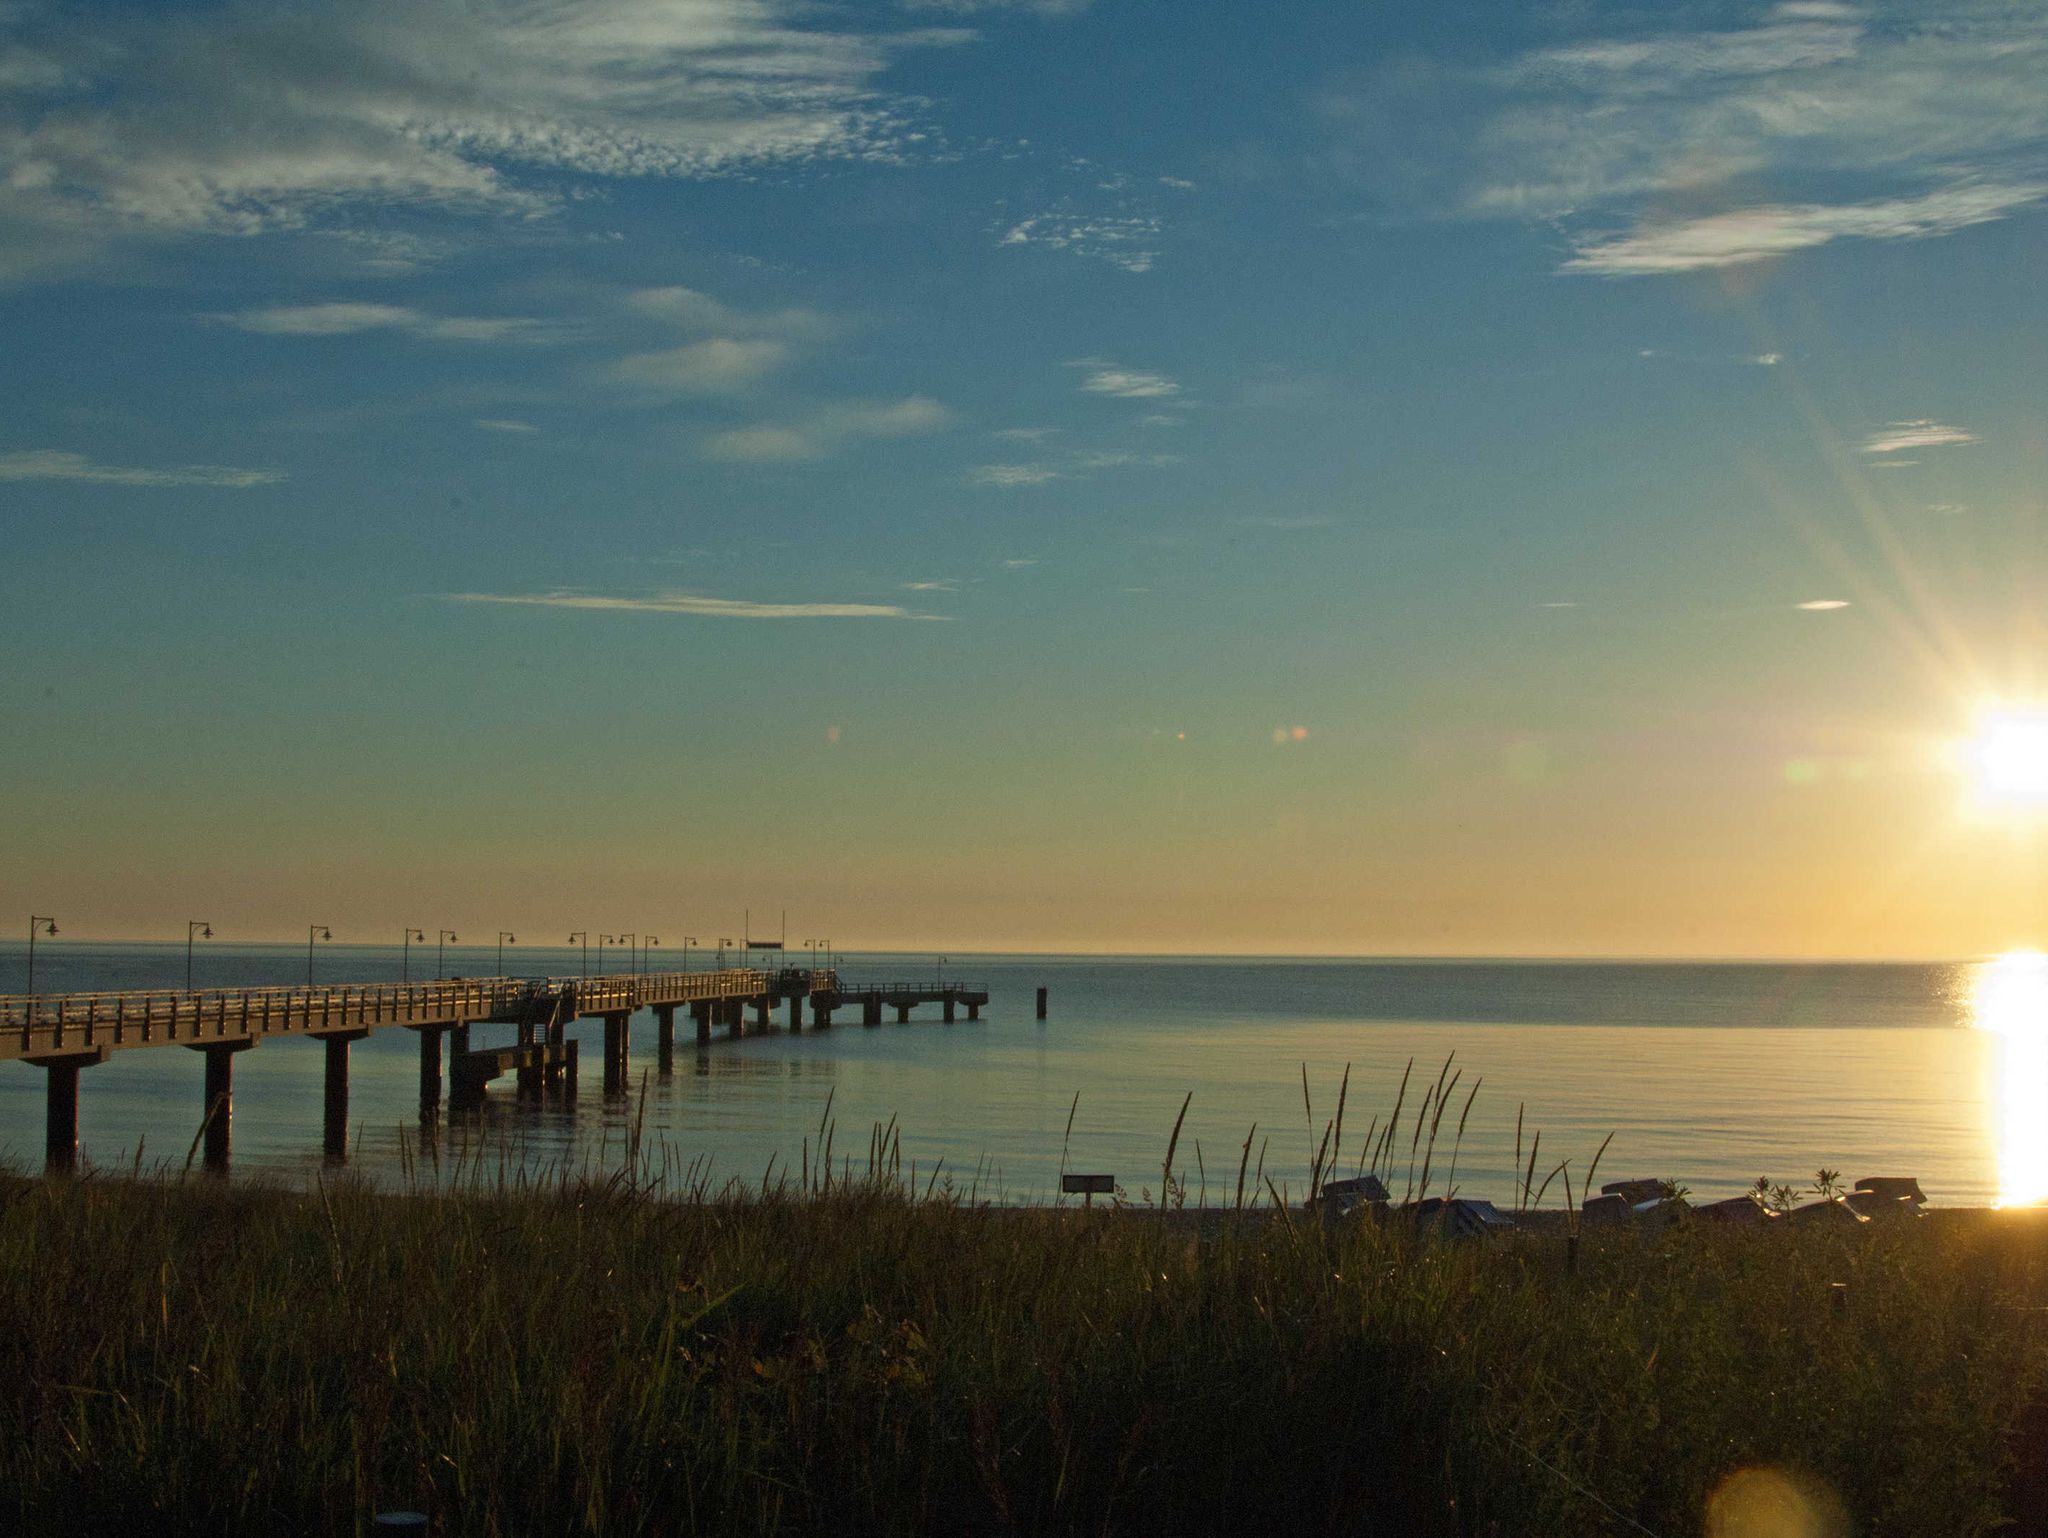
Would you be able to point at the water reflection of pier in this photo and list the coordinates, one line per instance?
(65, 1033)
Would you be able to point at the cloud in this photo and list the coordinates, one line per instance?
(1692, 148)
(1126, 383)
(1126, 241)
(826, 429)
(505, 425)
(1024, 434)
(691, 310)
(1817, 605)
(1019, 562)
(934, 585)
(57, 465)
(1012, 475)
(345, 319)
(1752, 234)
(978, 7)
(692, 603)
(241, 119)
(716, 366)
(1923, 434)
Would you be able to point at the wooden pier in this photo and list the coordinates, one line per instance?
(64, 1033)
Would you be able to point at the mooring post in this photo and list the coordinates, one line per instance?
(60, 1102)
(1041, 1003)
(665, 1039)
(220, 1098)
(334, 1118)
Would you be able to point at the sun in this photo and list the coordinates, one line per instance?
(2008, 757)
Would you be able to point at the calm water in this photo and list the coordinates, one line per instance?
(1708, 1074)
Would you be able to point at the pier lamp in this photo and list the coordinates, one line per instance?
(45, 924)
(503, 937)
(584, 936)
(314, 932)
(647, 945)
(602, 942)
(688, 941)
(441, 950)
(405, 953)
(204, 931)
(630, 942)
(722, 944)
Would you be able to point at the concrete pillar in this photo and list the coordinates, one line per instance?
(1041, 1003)
(764, 1008)
(530, 1075)
(617, 1045)
(949, 1006)
(334, 1117)
(701, 1013)
(60, 1107)
(219, 1104)
(458, 1042)
(796, 1011)
(871, 1009)
(903, 1014)
(735, 1019)
(430, 1065)
(973, 1011)
(665, 1039)
(821, 1012)
(570, 1069)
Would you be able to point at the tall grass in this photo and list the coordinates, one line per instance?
(850, 1351)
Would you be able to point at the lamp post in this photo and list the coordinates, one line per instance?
(602, 942)
(502, 938)
(812, 947)
(688, 941)
(629, 941)
(647, 945)
(405, 953)
(442, 937)
(205, 932)
(48, 926)
(313, 932)
(722, 944)
(584, 936)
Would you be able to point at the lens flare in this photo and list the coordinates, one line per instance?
(1774, 1503)
(2008, 758)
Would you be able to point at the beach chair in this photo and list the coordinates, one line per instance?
(1459, 1217)
(1737, 1211)
(1636, 1192)
(1609, 1207)
(1829, 1210)
(1899, 1187)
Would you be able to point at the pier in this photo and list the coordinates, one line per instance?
(65, 1033)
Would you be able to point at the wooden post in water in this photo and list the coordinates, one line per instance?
(665, 1039)
(1041, 1003)
(220, 1098)
(334, 1110)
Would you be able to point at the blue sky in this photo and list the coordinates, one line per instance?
(1173, 476)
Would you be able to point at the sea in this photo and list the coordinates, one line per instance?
(1709, 1075)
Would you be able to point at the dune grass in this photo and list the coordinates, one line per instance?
(589, 1356)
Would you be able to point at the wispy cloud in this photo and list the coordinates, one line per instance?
(692, 310)
(826, 429)
(1752, 234)
(1129, 241)
(694, 604)
(1012, 475)
(1822, 605)
(1019, 562)
(933, 585)
(716, 366)
(348, 319)
(240, 119)
(1127, 383)
(505, 425)
(1896, 437)
(58, 465)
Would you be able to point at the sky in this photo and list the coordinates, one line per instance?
(1554, 479)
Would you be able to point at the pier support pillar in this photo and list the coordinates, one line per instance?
(821, 1013)
(220, 1099)
(762, 1014)
(334, 1110)
(973, 1011)
(665, 1039)
(60, 1102)
(701, 1013)
(871, 1009)
(530, 1077)
(903, 1014)
(949, 1006)
(617, 1044)
(570, 1069)
(430, 1065)
(796, 1011)
(735, 1018)
(458, 1041)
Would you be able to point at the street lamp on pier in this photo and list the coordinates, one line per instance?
(504, 936)
(646, 945)
(442, 937)
(47, 925)
(204, 931)
(688, 941)
(631, 942)
(405, 953)
(314, 932)
(722, 944)
(602, 942)
(584, 936)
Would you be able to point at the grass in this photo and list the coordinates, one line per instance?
(861, 1350)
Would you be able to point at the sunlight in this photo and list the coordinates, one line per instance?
(2010, 999)
(2008, 758)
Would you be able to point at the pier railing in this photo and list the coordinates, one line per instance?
(53, 1024)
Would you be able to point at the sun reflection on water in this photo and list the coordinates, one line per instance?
(2010, 1000)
